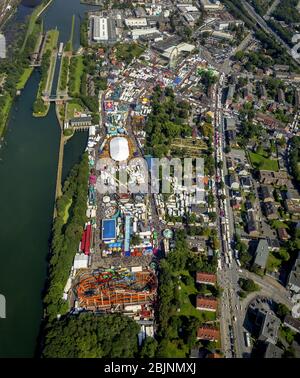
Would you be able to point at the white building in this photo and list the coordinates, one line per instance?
(2, 47)
(100, 29)
(134, 22)
(211, 5)
(80, 261)
(137, 33)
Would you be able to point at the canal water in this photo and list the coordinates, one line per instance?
(28, 167)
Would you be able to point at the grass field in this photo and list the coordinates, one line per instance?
(187, 297)
(66, 213)
(128, 51)
(51, 40)
(278, 224)
(263, 163)
(32, 20)
(76, 71)
(23, 79)
(69, 45)
(72, 107)
(4, 112)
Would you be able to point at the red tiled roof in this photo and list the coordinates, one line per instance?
(282, 233)
(206, 278)
(207, 303)
(208, 333)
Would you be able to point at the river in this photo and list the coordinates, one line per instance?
(28, 167)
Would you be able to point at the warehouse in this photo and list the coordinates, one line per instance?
(104, 29)
(136, 22)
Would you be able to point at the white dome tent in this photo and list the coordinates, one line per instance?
(119, 149)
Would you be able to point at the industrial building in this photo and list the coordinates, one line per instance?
(134, 22)
(138, 33)
(211, 5)
(103, 29)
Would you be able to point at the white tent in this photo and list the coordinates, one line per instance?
(119, 149)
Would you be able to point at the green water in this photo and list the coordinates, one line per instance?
(28, 167)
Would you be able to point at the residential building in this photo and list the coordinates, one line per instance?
(293, 281)
(292, 323)
(269, 210)
(246, 183)
(292, 207)
(282, 234)
(266, 194)
(293, 194)
(197, 244)
(261, 253)
(269, 328)
(208, 333)
(230, 94)
(273, 178)
(273, 351)
(252, 225)
(206, 303)
(206, 278)
(233, 182)
(280, 96)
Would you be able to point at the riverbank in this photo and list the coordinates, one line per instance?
(38, 11)
(18, 77)
(30, 157)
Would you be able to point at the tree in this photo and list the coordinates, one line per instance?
(88, 335)
(149, 348)
(282, 310)
(248, 285)
(135, 240)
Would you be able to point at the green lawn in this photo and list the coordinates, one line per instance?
(172, 351)
(66, 213)
(4, 111)
(69, 45)
(23, 79)
(187, 308)
(31, 24)
(51, 40)
(263, 163)
(278, 224)
(127, 51)
(273, 263)
(50, 73)
(76, 71)
(72, 107)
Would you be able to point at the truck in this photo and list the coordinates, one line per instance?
(247, 340)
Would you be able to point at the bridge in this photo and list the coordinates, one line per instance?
(56, 99)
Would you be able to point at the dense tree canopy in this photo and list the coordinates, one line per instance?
(92, 336)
